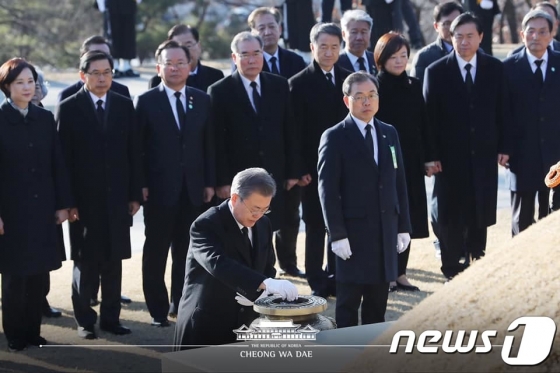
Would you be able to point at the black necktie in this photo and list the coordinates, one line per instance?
(538, 72)
(256, 97)
(246, 239)
(362, 64)
(329, 78)
(369, 140)
(468, 79)
(180, 110)
(274, 68)
(100, 112)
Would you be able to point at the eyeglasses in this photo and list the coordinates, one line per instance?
(245, 56)
(364, 98)
(179, 65)
(98, 74)
(256, 212)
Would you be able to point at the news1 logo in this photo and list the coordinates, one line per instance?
(534, 348)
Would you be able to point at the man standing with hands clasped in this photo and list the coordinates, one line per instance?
(362, 188)
(230, 263)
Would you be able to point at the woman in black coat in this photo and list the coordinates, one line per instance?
(401, 104)
(34, 198)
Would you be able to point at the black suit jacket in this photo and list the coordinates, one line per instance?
(173, 157)
(105, 168)
(426, 56)
(219, 265)
(74, 88)
(470, 132)
(204, 78)
(534, 116)
(344, 62)
(245, 139)
(317, 106)
(362, 200)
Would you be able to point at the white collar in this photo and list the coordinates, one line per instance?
(95, 98)
(267, 56)
(532, 58)
(354, 59)
(463, 63)
(247, 82)
(362, 125)
(171, 92)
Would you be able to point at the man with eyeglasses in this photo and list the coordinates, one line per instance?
(464, 94)
(317, 99)
(201, 76)
(444, 14)
(230, 264)
(534, 93)
(356, 32)
(254, 123)
(363, 195)
(179, 170)
(101, 143)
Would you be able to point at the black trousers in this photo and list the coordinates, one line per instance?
(382, 15)
(402, 259)
(285, 239)
(85, 277)
(315, 241)
(327, 7)
(166, 226)
(523, 208)
(122, 32)
(372, 297)
(457, 238)
(22, 297)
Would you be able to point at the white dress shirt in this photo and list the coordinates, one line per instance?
(533, 65)
(241, 226)
(94, 98)
(332, 73)
(173, 101)
(354, 61)
(362, 127)
(249, 89)
(267, 58)
(463, 63)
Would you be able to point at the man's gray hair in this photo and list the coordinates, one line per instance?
(355, 15)
(535, 14)
(42, 82)
(324, 28)
(253, 180)
(356, 78)
(244, 36)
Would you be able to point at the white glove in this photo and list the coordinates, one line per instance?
(403, 240)
(486, 4)
(284, 288)
(342, 248)
(246, 302)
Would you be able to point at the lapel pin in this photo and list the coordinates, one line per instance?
(384, 136)
(552, 69)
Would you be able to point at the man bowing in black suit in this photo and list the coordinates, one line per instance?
(254, 123)
(230, 264)
(363, 194)
(356, 32)
(101, 144)
(179, 168)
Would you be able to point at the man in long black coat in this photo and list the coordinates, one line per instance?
(101, 145)
(254, 123)
(318, 105)
(471, 138)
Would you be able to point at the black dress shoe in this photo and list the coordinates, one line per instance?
(118, 74)
(130, 74)
(51, 312)
(87, 332)
(292, 271)
(320, 293)
(125, 299)
(407, 287)
(37, 341)
(16, 345)
(116, 329)
(93, 302)
(392, 288)
(160, 323)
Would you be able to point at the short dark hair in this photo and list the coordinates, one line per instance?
(445, 9)
(95, 39)
(11, 69)
(535, 14)
(171, 44)
(253, 180)
(324, 28)
(92, 56)
(546, 4)
(387, 45)
(465, 18)
(182, 29)
(356, 78)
